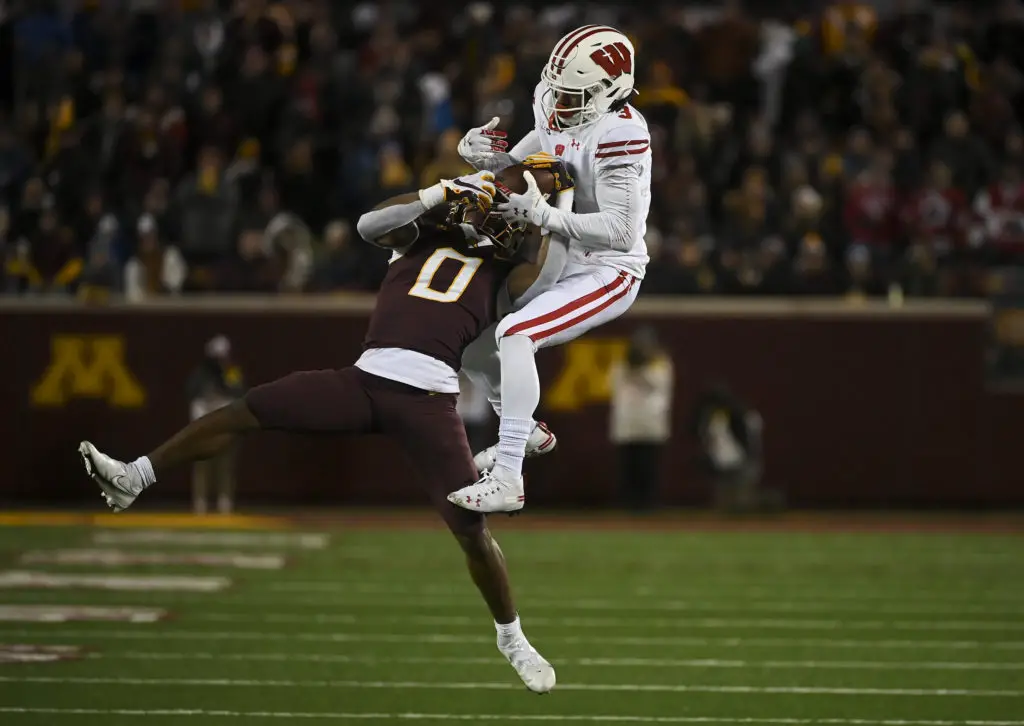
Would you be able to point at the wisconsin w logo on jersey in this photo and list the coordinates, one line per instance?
(614, 59)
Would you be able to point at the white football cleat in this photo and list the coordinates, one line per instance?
(119, 482)
(541, 441)
(536, 672)
(491, 495)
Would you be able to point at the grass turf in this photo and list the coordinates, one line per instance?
(383, 626)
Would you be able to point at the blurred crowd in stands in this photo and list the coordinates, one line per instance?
(154, 147)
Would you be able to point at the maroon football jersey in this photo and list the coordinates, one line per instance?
(437, 297)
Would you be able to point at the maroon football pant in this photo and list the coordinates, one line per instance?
(350, 401)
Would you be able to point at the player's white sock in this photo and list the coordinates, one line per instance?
(513, 434)
(144, 469)
(520, 396)
(508, 633)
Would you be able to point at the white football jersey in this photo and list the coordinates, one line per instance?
(616, 140)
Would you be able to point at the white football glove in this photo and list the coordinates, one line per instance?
(481, 143)
(530, 207)
(474, 189)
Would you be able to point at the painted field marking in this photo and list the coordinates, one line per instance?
(122, 558)
(412, 716)
(509, 686)
(771, 592)
(411, 599)
(365, 637)
(772, 561)
(670, 623)
(1010, 594)
(79, 613)
(148, 521)
(19, 653)
(16, 579)
(711, 663)
(306, 541)
(642, 609)
(746, 589)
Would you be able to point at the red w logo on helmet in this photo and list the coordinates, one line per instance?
(614, 59)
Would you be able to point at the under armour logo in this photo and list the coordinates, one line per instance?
(575, 144)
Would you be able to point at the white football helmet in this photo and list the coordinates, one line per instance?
(590, 73)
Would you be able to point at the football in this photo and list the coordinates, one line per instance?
(512, 177)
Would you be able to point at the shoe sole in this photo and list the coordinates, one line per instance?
(83, 451)
(539, 693)
(508, 512)
(111, 496)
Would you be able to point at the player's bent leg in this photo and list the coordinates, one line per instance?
(501, 489)
(329, 400)
(486, 564)
(583, 300)
(586, 299)
(206, 437)
(428, 428)
(481, 363)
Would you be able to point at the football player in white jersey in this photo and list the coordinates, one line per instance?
(582, 115)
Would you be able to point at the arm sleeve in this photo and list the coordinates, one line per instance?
(618, 198)
(529, 144)
(376, 223)
(619, 163)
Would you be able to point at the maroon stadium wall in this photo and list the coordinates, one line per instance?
(863, 406)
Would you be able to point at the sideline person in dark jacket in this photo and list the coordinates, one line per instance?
(729, 432)
(215, 383)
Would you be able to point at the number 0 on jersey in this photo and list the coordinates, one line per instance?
(458, 285)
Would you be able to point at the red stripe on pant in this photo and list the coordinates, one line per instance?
(621, 287)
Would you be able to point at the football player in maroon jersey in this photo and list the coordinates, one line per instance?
(452, 262)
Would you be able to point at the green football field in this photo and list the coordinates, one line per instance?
(375, 625)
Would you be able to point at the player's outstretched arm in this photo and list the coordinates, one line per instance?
(619, 167)
(392, 223)
(485, 147)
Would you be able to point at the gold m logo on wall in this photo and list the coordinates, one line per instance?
(583, 379)
(88, 366)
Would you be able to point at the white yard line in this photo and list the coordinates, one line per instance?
(411, 600)
(709, 663)
(504, 717)
(133, 557)
(670, 623)
(443, 598)
(78, 613)
(21, 580)
(366, 637)
(509, 686)
(309, 541)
